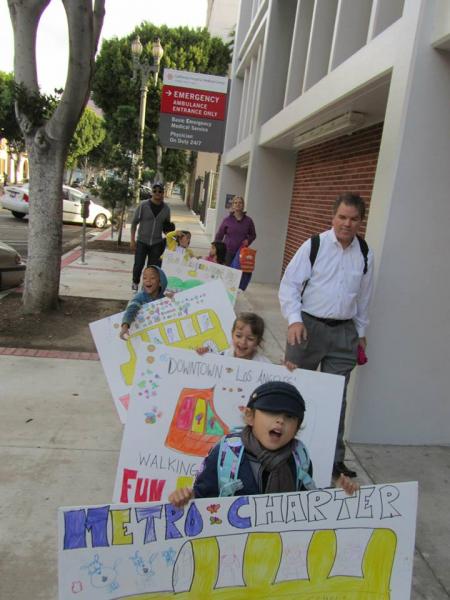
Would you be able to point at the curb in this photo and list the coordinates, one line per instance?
(35, 353)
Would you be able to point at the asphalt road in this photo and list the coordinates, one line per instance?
(15, 233)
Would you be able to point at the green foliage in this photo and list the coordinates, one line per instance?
(114, 88)
(148, 175)
(9, 128)
(115, 152)
(174, 165)
(184, 49)
(114, 192)
(89, 134)
(37, 107)
(122, 126)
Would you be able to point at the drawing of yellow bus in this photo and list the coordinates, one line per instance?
(202, 328)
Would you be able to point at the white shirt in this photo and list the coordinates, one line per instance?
(337, 287)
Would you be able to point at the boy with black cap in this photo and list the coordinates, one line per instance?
(264, 457)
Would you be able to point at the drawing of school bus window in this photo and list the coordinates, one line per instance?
(202, 328)
(200, 570)
(196, 427)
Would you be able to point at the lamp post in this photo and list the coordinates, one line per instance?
(144, 69)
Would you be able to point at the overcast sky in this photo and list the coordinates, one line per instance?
(120, 19)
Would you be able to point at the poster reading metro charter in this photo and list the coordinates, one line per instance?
(182, 404)
(184, 273)
(202, 316)
(318, 545)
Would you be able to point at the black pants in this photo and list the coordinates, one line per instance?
(151, 253)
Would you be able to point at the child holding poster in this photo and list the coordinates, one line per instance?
(178, 241)
(246, 337)
(154, 283)
(263, 458)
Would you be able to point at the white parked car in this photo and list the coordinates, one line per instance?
(16, 199)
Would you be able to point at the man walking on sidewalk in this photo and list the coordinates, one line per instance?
(324, 295)
(153, 218)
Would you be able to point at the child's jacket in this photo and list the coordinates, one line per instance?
(250, 473)
(142, 298)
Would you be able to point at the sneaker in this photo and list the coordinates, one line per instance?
(135, 287)
(340, 468)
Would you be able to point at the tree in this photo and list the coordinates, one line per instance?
(48, 132)
(9, 127)
(116, 154)
(184, 48)
(89, 134)
(175, 164)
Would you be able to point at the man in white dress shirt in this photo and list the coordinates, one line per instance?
(326, 304)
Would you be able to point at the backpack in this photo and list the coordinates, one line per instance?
(315, 244)
(229, 460)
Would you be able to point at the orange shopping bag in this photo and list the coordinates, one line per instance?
(247, 257)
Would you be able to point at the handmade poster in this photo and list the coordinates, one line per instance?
(318, 545)
(199, 317)
(183, 403)
(184, 273)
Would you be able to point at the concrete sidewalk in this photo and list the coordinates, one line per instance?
(60, 439)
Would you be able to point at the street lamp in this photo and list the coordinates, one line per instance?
(143, 68)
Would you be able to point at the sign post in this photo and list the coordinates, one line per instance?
(193, 111)
(84, 214)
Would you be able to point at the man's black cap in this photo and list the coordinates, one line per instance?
(278, 396)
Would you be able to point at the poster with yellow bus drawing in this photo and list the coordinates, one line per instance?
(202, 316)
(182, 404)
(185, 272)
(316, 545)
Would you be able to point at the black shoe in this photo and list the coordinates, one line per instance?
(339, 468)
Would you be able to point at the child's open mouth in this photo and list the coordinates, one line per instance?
(275, 434)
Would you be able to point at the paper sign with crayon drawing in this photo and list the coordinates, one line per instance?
(320, 545)
(183, 403)
(202, 316)
(184, 273)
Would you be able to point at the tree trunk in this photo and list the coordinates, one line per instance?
(124, 203)
(17, 177)
(44, 229)
(47, 140)
(121, 219)
(158, 175)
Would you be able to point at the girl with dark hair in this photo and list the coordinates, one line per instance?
(217, 253)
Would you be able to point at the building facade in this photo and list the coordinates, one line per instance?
(221, 20)
(13, 166)
(330, 96)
